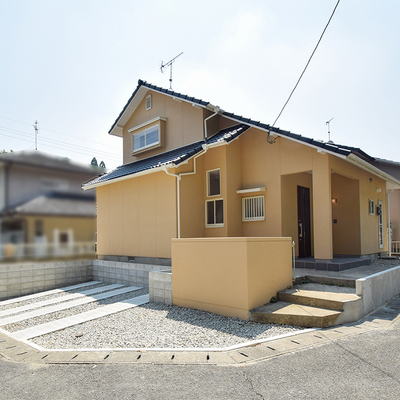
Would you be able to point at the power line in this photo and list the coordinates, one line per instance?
(72, 146)
(62, 148)
(60, 133)
(304, 70)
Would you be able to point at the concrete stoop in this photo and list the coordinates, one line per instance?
(311, 305)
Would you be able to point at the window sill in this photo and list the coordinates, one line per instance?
(215, 226)
(147, 148)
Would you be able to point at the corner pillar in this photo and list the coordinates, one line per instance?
(322, 207)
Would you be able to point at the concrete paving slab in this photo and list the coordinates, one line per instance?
(190, 357)
(57, 300)
(283, 345)
(47, 292)
(124, 356)
(254, 353)
(56, 357)
(88, 357)
(63, 323)
(60, 307)
(220, 358)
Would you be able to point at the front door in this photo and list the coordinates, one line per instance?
(304, 221)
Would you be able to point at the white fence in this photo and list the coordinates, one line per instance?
(396, 247)
(21, 251)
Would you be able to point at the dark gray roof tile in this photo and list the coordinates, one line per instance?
(176, 156)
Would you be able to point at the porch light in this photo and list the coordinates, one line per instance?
(334, 201)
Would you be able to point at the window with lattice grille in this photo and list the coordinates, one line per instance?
(253, 208)
(148, 102)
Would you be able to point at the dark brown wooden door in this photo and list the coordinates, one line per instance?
(304, 221)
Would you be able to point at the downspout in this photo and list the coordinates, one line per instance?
(178, 179)
(389, 229)
(217, 109)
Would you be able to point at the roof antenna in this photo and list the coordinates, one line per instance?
(36, 126)
(329, 130)
(169, 64)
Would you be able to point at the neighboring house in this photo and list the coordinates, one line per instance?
(42, 207)
(393, 168)
(192, 170)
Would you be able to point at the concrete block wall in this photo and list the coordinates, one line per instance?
(160, 287)
(126, 273)
(18, 279)
(378, 288)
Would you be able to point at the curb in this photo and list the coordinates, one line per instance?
(246, 353)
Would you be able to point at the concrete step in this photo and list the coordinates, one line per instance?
(294, 314)
(323, 296)
(312, 305)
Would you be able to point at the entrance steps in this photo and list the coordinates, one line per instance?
(311, 305)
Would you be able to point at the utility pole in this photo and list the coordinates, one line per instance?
(36, 126)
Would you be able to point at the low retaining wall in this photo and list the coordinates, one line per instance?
(160, 287)
(229, 276)
(379, 288)
(19, 279)
(125, 273)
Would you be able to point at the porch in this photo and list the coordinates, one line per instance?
(336, 264)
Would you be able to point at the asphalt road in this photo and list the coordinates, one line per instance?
(362, 366)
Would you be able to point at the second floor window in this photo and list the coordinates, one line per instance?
(214, 182)
(146, 138)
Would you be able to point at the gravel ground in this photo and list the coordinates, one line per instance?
(160, 326)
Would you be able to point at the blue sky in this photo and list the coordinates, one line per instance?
(73, 64)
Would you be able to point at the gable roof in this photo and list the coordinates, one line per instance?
(143, 87)
(170, 158)
(35, 158)
(353, 155)
(56, 204)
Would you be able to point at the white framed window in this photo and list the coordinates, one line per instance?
(215, 213)
(253, 208)
(214, 182)
(148, 102)
(146, 138)
(371, 207)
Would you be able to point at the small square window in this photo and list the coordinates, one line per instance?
(371, 209)
(214, 182)
(148, 102)
(253, 208)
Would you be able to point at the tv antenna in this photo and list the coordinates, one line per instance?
(329, 130)
(36, 126)
(169, 64)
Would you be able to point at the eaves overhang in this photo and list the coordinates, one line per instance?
(360, 163)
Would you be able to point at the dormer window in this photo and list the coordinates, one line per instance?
(147, 135)
(146, 138)
(148, 102)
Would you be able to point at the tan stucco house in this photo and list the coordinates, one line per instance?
(192, 170)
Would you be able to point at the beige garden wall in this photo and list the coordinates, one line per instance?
(137, 217)
(229, 276)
